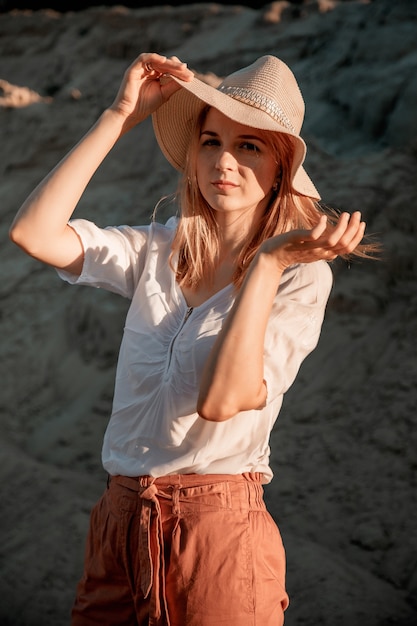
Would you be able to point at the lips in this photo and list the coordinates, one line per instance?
(223, 184)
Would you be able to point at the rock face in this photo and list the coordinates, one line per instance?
(343, 450)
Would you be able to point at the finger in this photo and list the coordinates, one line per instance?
(178, 68)
(339, 230)
(352, 228)
(319, 229)
(355, 241)
(156, 65)
(306, 236)
(148, 62)
(353, 234)
(328, 255)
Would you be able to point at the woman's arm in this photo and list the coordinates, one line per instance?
(40, 227)
(233, 378)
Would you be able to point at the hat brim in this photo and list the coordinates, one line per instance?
(173, 124)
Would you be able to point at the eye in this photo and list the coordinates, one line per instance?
(250, 147)
(210, 142)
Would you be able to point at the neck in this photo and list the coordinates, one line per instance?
(233, 234)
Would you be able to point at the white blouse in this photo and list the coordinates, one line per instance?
(154, 428)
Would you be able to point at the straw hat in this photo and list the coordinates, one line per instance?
(264, 95)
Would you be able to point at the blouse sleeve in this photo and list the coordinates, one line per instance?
(295, 323)
(114, 257)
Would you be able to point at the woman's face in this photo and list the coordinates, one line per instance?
(236, 169)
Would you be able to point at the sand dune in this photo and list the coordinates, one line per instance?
(344, 449)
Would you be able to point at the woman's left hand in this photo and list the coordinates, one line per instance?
(323, 242)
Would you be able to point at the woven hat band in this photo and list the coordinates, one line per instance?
(259, 101)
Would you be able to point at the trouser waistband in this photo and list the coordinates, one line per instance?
(241, 491)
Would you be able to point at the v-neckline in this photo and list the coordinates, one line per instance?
(206, 301)
(183, 299)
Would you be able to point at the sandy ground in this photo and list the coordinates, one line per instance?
(343, 451)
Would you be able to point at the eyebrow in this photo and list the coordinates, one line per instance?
(212, 133)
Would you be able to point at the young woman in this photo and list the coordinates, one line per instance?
(227, 299)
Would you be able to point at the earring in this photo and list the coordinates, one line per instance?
(277, 182)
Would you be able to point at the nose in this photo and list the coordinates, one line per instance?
(225, 160)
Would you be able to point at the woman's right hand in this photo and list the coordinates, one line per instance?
(146, 85)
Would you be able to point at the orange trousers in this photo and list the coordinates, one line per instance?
(182, 550)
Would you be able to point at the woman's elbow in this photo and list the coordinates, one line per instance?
(14, 233)
(23, 241)
(213, 411)
(19, 236)
(221, 410)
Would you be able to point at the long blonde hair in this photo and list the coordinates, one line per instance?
(196, 242)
